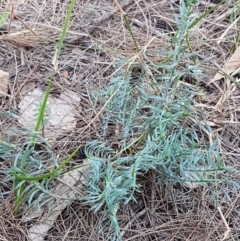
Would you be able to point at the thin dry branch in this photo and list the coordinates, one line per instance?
(131, 221)
(226, 234)
(105, 17)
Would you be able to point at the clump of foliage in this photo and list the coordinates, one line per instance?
(157, 125)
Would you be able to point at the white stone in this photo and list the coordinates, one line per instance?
(60, 112)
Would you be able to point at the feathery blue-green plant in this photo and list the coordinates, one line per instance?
(155, 127)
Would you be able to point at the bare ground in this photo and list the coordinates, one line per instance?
(97, 37)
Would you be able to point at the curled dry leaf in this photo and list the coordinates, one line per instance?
(230, 66)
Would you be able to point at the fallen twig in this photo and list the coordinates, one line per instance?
(226, 233)
(131, 221)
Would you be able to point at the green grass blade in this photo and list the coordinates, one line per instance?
(60, 44)
(131, 32)
(49, 174)
(41, 114)
(17, 194)
(65, 27)
(43, 108)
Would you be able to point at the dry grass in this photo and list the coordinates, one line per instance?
(96, 38)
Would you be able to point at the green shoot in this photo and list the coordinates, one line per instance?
(60, 45)
(20, 179)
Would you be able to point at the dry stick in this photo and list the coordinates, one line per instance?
(148, 231)
(131, 221)
(119, 7)
(143, 25)
(226, 215)
(226, 234)
(71, 187)
(208, 4)
(105, 17)
(179, 229)
(24, 24)
(227, 30)
(196, 228)
(10, 22)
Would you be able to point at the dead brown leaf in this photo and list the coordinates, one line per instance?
(230, 66)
